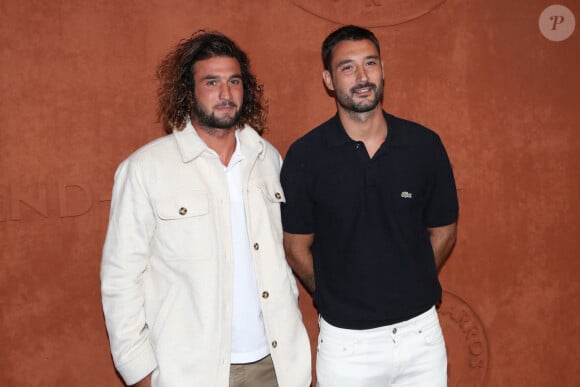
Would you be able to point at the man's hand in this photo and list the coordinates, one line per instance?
(442, 241)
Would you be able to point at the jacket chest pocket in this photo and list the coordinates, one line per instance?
(185, 229)
(267, 196)
(271, 189)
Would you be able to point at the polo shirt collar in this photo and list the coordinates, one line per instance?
(396, 134)
(237, 156)
(336, 135)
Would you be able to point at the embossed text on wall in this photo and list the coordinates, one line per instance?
(369, 13)
(49, 199)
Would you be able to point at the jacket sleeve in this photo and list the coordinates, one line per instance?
(124, 262)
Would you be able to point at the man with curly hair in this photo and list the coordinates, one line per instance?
(196, 290)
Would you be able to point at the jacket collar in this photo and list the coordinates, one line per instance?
(191, 145)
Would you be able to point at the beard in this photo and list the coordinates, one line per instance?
(209, 120)
(346, 100)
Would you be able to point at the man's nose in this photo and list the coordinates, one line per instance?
(225, 92)
(361, 74)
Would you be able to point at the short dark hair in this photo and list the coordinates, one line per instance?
(176, 89)
(349, 32)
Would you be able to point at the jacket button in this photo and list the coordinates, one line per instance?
(256, 246)
(274, 344)
(182, 211)
(265, 294)
(277, 195)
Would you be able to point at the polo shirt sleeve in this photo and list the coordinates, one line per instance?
(297, 215)
(442, 206)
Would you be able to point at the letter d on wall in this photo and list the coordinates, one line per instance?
(74, 199)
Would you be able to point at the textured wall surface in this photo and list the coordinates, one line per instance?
(77, 92)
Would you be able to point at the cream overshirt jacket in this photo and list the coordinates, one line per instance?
(167, 269)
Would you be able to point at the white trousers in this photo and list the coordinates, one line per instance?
(410, 353)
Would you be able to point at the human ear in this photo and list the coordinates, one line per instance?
(327, 78)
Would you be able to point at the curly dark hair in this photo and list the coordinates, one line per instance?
(176, 89)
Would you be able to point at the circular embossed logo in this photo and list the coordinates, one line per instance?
(368, 13)
(557, 23)
(466, 341)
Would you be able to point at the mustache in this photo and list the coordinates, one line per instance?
(363, 86)
(226, 104)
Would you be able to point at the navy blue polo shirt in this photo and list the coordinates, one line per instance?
(373, 260)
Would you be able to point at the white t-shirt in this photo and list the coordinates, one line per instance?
(249, 341)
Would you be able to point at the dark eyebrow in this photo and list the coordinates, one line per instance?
(343, 62)
(209, 77)
(212, 77)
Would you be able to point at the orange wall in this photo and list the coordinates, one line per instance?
(77, 92)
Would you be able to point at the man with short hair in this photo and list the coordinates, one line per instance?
(370, 214)
(196, 290)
